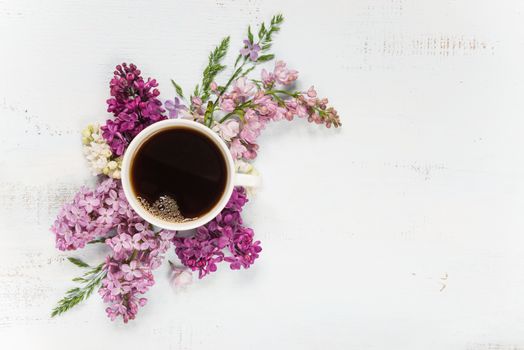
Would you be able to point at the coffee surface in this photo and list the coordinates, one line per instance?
(178, 174)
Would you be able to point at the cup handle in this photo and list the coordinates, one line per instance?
(246, 180)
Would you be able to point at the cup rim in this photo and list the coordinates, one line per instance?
(126, 178)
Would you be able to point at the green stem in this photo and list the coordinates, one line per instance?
(237, 109)
(233, 76)
(133, 255)
(98, 240)
(284, 92)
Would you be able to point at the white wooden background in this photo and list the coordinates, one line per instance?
(403, 230)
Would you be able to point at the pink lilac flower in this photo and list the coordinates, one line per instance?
(250, 50)
(137, 251)
(307, 104)
(268, 109)
(294, 108)
(222, 239)
(284, 75)
(227, 104)
(280, 75)
(88, 216)
(252, 127)
(121, 289)
(237, 149)
(134, 104)
(174, 107)
(242, 89)
(228, 129)
(180, 277)
(268, 79)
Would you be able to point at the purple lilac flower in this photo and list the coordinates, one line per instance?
(135, 105)
(245, 250)
(223, 235)
(136, 248)
(88, 216)
(174, 107)
(137, 251)
(250, 50)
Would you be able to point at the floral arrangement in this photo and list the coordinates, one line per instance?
(238, 111)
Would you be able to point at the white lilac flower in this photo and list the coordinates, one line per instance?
(243, 167)
(99, 154)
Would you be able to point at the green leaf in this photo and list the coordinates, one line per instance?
(249, 34)
(247, 71)
(265, 58)
(277, 19)
(262, 31)
(195, 93)
(238, 59)
(257, 83)
(178, 89)
(214, 67)
(77, 262)
(265, 35)
(76, 295)
(97, 240)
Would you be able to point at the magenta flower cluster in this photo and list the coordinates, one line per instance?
(222, 239)
(135, 105)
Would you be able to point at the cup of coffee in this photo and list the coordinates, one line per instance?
(178, 174)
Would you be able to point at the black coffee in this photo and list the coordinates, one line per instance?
(178, 174)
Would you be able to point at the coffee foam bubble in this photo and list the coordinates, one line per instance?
(165, 208)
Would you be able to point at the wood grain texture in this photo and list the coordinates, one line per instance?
(403, 230)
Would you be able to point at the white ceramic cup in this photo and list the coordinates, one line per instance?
(233, 178)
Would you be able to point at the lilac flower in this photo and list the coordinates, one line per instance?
(129, 269)
(281, 75)
(242, 89)
(181, 276)
(136, 248)
(284, 75)
(135, 105)
(88, 216)
(237, 149)
(89, 203)
(268, 79)
(174, 107)
(252, 127)
(307, 104)
(106, 216)
(228, 129)
(250, 50)
(294, 108)
(120, 243)
(223, 235)
(227, 104)
(245, 250)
